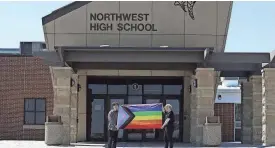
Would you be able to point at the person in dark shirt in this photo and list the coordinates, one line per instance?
(168, 125)
(112, 126)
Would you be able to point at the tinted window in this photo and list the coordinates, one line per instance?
(29, 118)
(29, 104)
(40, 105)
(117, 89)
(34, 111)
(152, 89)
(40, 118)
(172, 89)
(98, 88)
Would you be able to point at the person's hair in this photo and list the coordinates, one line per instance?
(115, 103)
(168, 106)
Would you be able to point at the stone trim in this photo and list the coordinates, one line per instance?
(112, 72)
(33, 126)
(205, 69)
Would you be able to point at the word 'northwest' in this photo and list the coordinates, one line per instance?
(99, 22)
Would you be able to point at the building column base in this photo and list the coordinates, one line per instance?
(202, 102)
(65, 101)
(268, 106)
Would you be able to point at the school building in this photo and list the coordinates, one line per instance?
(138, 52)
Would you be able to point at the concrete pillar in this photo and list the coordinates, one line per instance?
(246, 102)
(257, 109)
(193, 111)
(187, 110)
(252, 110)
(61, 78)
(82, 104)
(268, 104)
(74, 105)
(202, 102)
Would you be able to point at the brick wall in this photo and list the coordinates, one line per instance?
(226, 113)
(22, 77)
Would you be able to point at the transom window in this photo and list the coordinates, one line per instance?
(34, 111)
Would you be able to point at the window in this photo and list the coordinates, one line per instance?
(117, 89)
(152, 89)
(172, 89)
(34, 111)
(98, 88)
(238, 116)
(237, 112)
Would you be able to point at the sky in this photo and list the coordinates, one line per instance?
(251, 29)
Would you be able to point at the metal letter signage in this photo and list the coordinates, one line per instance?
(186, 5)
(129, 22)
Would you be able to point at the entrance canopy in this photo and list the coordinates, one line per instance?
(229, 64)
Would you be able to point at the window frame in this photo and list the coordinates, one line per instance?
(35, 111)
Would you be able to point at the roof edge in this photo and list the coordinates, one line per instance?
(63, 11)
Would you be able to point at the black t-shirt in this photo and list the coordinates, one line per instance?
(172, 119)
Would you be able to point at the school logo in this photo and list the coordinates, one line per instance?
(186, 6)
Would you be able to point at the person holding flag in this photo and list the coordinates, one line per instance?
(168, 125)
(112, 126)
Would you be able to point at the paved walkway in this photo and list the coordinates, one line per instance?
(41, 144)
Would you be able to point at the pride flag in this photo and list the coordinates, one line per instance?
(140, 116)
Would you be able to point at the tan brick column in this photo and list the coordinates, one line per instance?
(247, 107)
(257, 109)
(193, 113)
(252, 110)
(268, 103)
(61, 77)
(82, 110)
(74, 105)
(187, 110)
(202, 102)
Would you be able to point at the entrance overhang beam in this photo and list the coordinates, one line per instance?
(135, 66)
(234, 73)
(230, 64)
(234, 57)
(134, 56)
(235, 66)
(139, 54)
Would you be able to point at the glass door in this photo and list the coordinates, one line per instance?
(98, 121)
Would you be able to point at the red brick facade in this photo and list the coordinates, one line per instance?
(27, 77)
(22, 77)
(226, 113)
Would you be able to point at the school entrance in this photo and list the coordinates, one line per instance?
(103, 91)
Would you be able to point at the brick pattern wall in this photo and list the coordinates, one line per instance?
(226, 113)
(22, 77)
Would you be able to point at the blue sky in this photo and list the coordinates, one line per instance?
(252, 25)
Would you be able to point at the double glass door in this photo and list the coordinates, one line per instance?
(102, 95)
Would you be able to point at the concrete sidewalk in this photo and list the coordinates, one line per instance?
(41, 144)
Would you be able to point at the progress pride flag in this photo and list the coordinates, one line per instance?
(140, 116)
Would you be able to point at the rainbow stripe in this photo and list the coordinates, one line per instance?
(147, 116)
